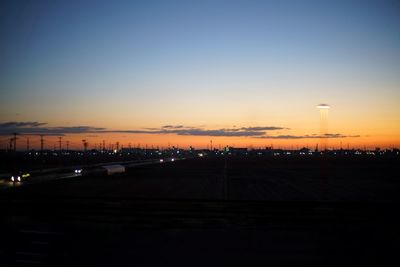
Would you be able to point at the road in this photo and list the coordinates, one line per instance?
(236, 179)
(55, 174)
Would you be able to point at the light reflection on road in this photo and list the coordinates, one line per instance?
(4, 184)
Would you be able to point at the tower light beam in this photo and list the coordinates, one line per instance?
(323, 113)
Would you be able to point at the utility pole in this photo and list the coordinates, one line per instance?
(85, 145)
(59, 143)
(15, 142)
(41, 144)
(27, 144)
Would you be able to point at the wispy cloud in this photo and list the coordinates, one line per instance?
(312, 136)
(263, 128)
(37, 128)
(218, 132)
(173, 127)
(11, 124)
(193, 132)
(201, 131)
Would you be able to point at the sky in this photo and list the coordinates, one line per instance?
(241, 73)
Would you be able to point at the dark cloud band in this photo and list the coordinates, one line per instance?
(36, 128)
(313, 136)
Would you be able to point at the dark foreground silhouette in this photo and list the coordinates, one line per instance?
(210, 212)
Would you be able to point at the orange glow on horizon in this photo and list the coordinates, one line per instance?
(164, 141)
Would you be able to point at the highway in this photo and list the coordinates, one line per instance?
(54, 174)
(232, 179)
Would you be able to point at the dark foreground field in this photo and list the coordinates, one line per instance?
(210, 212)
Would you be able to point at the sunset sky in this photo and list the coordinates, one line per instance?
(241, 73)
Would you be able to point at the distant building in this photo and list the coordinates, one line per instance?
(236, 150)
(305, 150)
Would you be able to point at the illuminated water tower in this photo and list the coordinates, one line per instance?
(323, 130)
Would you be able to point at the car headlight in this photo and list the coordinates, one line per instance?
(19, 178)
(12, 178)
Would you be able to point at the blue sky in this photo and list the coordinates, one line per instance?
(240, 60)
(148, 38)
